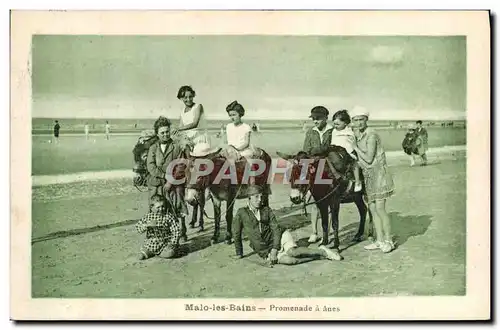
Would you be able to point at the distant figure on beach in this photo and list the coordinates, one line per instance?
(254, 127)
(220, 135)
(87, 130)
(304, 126)
(107, 129)
(422, 132)
(57, 127)
(192, 126)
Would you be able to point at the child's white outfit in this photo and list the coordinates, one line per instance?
(345, 139)
(236, 138)
(198, 134)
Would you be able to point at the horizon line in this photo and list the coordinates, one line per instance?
(462, 118)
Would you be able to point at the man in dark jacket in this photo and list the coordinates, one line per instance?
(318, 137)
(317, 142)
(267, 238)
(160, 155)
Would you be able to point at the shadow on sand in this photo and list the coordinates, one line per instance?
(404, 227)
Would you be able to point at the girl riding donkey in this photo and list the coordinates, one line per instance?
(238, 156)
(238, 135)
(193, 126)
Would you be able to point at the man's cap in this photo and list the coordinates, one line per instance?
(319, 111)
(254, 190)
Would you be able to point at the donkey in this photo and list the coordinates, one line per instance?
(326, 196)
(225, 189)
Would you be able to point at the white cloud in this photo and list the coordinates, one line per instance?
(386, 55)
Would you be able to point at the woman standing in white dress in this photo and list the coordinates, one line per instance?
(193, 125)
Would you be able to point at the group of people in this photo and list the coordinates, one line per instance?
(191, 138)
(420, 142)
(348, 129)
(57, 130)
(107, 130)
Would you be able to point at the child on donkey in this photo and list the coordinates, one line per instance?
(162, 231)
(343, 136)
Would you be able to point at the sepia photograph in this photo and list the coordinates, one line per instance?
(251, 170)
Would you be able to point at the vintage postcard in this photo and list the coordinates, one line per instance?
(250, 165)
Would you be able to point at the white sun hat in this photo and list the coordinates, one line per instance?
(203, 149)
(359, 111)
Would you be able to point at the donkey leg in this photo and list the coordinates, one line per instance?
(335, 223)
(362, 209)
(217, 210)
(194, 217)
(201, 206)
(229, 219)
(176, 197)
(323, 210)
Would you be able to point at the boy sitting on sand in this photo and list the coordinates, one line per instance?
(162, 231)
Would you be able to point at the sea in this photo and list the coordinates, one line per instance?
(120, 125)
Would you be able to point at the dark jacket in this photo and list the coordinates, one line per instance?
(262, 243)
(158, 162)
(312, 143)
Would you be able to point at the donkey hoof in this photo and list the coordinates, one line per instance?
(228, 241)
(324, 242)
(183, 239)
(357, 239)
(201, 229)
(213, 241)
(191, 225)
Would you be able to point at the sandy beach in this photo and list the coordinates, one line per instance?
(84, 241)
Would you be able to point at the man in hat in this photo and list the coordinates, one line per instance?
(422, 132)
(318, 137)
(267, 238)
(318, 140)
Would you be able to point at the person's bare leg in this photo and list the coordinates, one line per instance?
(377, 222)
(385, 220)
(357, 178)
(314, 223)
(306, 252)
(424, 159)
(290, 261)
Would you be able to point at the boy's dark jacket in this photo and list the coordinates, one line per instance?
(262, 243)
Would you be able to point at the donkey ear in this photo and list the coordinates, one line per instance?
(284, 156)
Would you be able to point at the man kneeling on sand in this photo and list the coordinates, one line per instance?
(162, 231)
(268, 239)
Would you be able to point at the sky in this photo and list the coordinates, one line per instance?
(276, 77)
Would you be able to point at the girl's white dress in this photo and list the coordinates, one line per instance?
(236, 137)
(198, 134)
